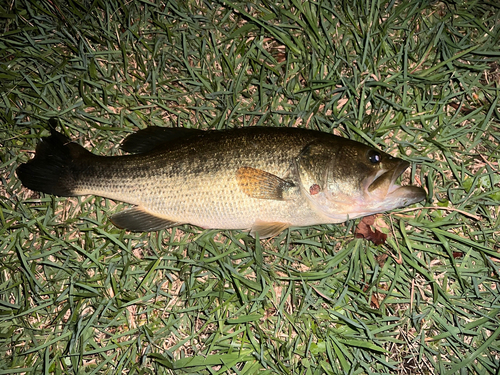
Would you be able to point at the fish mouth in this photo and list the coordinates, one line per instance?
(394, 195)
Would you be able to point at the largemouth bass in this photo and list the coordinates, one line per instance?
(263, 180)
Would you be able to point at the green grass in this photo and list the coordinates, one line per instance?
(419, 79)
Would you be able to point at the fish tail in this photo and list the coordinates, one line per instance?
(56, 167)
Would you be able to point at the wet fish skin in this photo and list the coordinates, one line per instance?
(259, 179)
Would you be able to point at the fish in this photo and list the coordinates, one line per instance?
(258, 179)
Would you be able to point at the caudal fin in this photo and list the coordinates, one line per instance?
(56, 165)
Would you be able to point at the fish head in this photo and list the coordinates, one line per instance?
(347, 179)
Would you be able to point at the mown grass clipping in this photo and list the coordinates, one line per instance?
(419, 79)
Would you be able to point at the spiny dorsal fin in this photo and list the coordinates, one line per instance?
(136, 219)
(260, 184)
(266, 229)
(152, 137)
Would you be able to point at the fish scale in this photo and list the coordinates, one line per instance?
(258, 179)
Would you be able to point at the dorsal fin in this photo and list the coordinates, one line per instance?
(152, 137)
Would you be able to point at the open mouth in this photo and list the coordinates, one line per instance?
(386, 181)
(384, 185)
(398, 171)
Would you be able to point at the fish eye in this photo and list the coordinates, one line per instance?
(374, 157)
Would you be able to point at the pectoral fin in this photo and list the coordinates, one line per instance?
(260, 184)
(266, 229)
(138, 220)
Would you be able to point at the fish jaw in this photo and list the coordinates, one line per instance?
(404, 196)
(384, 194)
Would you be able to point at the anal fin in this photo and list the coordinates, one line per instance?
(266, 229)
(136, 219)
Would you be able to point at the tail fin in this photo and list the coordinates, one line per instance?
(56, 165)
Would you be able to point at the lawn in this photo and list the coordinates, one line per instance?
(418, 79)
